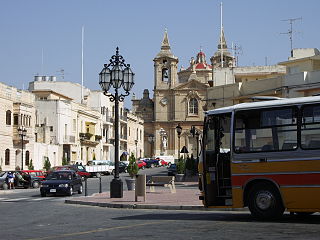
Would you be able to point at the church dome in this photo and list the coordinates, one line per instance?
(200, 62)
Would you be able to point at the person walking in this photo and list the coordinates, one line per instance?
(11, 180)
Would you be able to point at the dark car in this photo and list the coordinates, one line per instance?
(122, 167)
(64, 182)
(172, 170)
(151, 162)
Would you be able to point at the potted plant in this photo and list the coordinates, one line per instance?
(180, 170)
(133, 170)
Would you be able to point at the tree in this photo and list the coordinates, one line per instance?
(132, 168)
(47, 164)
(30, 166)
(64, 161)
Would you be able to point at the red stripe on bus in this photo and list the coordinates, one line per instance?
(281, 179)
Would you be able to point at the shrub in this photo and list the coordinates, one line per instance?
(47, 164)
(64, 161)
(30, 166)
(181, 166)
(132, 168)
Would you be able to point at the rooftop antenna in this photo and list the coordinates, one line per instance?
(62, 73)
(42, 59)
(221, 29)
(290, 31)
(82, 38)
(237, 50)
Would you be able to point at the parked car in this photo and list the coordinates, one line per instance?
(151, 162)
(169, 159)
(3, 180)
(162, 162)
(122, 167)
(98, 167)
(172, 170)
(22, 179)
(64, 182)
(141, 164)
(79, 169)
(34, 177)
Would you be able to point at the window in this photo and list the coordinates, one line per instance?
(15, 119)
(165, 75)
(74, 125)
(193, 106)
(7, 157)
(310, 129)
(8, 117)
(27, 158)
(266, 130)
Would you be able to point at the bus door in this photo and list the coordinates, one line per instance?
(217, 175)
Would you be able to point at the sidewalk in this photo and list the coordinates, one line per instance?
(162, 198)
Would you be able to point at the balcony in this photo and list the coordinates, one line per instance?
(69, 139)
(88, 139)
(123, 118)
(123, 137)
(98, 138)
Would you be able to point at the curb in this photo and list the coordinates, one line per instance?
(146, 206)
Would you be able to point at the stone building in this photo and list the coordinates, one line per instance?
(17, 111)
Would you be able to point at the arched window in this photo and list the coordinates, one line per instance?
(193, 106)
(8, 117)
(27, 158)
(165, 74)
(7, 157)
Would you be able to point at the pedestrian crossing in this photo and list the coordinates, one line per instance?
(32, 199)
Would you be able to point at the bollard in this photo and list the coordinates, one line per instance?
(85, 187)
(140, 187)
(100, 185)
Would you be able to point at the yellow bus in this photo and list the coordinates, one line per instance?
(264, 155)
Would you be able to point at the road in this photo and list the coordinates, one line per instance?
(25, 215)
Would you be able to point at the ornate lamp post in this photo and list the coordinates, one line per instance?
(151, 139)
(22, 133)
(117, 74)
(179, 130)
(195, 133)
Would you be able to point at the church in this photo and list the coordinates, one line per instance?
(180, 97)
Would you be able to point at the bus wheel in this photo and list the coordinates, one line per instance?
(265, 202)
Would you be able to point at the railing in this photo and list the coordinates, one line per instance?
(69, 139)
(124, 137)
(123, 117)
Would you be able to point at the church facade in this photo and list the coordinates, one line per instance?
(180, 98)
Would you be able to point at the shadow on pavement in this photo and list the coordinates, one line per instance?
(221, 216)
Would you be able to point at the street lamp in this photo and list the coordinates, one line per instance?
(136, 142)
(195, 133)
(117, 74)
(179, 130)
(151, 139)
(22, 133)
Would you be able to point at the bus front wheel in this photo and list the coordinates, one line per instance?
(265, 202)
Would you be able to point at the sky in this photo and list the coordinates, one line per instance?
(41, 37)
